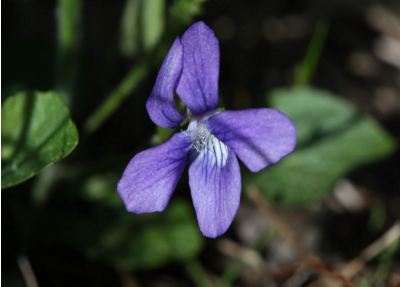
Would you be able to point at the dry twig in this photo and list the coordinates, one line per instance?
(352, 268)
(311, 259)
(27, 271)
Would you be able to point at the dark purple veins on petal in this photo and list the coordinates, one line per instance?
(259, 137)
(152, 175)
(214, 179)
(198, 85)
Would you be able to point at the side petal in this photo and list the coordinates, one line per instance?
(259, 137)
(160, 105)
(214, 179)
(198, 85)
(151, 176)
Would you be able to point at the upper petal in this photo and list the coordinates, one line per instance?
(160, 105)
(214, 179)
(259, 137)
(151, 176)
(198, 85)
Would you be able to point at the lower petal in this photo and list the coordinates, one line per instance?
(259, 137)
(214, 179)
(152, 175)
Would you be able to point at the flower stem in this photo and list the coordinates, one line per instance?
(305, 71)
(116, 97)
(68, 16)
(198, 274)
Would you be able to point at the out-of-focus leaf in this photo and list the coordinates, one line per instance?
(153, 22)
(98, 226)
(182, 11)
(69, 18)
(315, 113)
(101, 189)
(142, 25)
(133, 241)
(129, 40)
(333, 139)
(162, 135)
(151, 240)
(377, 217)
(36, 131)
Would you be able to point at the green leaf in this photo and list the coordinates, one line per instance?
(333, 139)
(315, 113)
(142, 26)
(129, 40)
(153, 22)
(148, 241)
(162, 135)
(69, 15)
(183, 11)
(36, 131)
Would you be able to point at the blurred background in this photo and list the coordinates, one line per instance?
(327, 213)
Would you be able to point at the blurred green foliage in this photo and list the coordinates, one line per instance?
(36, 131)
(69, 13)
(305, 71)
(143, 241)
(142, 26)
(332, 140)
(184, 10)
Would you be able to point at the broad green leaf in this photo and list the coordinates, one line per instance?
(315, 113)
(333, 139)
(36, 131)
(148, 241)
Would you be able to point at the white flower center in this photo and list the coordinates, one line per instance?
(204, 141)
(202, 138)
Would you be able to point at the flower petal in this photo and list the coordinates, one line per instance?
(198, 85)
(160, 105)
(151, 176)
(259, 137)
(214, 179)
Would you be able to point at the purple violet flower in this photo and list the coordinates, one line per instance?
(259, 137)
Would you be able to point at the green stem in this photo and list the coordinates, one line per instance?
(116, 98)
(69, 14)
(198, 274)
(306, 70)
(231, 274)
